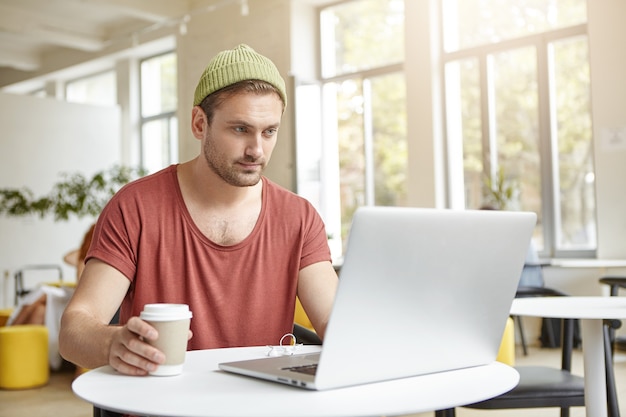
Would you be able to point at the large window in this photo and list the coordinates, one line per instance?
(159, 128)
(518, 114)
(364, 86)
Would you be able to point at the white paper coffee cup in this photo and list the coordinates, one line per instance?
(172, 322)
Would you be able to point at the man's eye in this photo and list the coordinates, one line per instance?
(240, 129)
(271, 132)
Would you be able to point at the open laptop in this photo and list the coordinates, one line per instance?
(420, 291)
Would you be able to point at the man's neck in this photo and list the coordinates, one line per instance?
(209, 190)
(224, 213)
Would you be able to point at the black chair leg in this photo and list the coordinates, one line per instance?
(100, 412)
(450, 412)
(614, 293)
(611, 391)
(518, 319)
(550, 332)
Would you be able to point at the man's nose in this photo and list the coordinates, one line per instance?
(255, 146)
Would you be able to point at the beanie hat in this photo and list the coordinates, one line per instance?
(239, 64)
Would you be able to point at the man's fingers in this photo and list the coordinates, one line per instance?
(141, 328)
(130, 354)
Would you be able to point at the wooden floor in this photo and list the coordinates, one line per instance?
(54, 399)
(57, 399)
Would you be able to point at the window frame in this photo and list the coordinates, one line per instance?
(168, 117)
(547, 147)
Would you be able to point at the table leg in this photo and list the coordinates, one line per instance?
(595, 372)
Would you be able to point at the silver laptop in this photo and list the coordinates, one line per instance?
(420, 291)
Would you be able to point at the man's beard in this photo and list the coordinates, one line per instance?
(231, 173)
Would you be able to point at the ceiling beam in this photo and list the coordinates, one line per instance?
(155, 11)
(19, 59)
(46, 29)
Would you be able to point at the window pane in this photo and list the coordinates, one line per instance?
(372, 144)
(575, 201)
(99, 89)
(365, 115)
(158, 85)
(158, 144)
(464, 128)
(491, 21)
(547, 166)
(390, 157)
(351, 150)
(516, 123)
(361, 35)
(309, 144)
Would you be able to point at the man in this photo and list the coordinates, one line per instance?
(213, 233)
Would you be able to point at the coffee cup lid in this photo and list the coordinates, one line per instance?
(165, 312)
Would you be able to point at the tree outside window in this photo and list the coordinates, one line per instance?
(516, 87)
(517, 102)
(362, 55)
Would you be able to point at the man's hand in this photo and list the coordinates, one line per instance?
(129, 352)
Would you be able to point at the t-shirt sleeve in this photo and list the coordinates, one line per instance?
(315, 248)
(112, 241)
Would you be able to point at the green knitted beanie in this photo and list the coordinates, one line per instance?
(239, 64)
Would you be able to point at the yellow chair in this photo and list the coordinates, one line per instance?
(506, 354)
(300, 316)
(302, 327)
(5, 313)
(23, 356)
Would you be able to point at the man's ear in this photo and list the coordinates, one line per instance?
(198, 122)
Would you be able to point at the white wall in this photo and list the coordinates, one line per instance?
(608, 105)
(42, 138)
(266, 29)
(426, 180)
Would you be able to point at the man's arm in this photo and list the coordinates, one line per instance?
(317, 285)
(87, 339)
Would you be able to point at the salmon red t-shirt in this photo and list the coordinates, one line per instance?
(240, 295)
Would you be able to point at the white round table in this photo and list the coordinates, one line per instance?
(203, 391)
(591, 311)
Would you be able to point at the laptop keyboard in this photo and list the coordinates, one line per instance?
(303, 369)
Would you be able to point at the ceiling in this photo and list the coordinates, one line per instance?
(38, 37)
(32, 30)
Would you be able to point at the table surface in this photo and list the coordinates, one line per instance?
(571, 307)
(588, 263)
(203, 390)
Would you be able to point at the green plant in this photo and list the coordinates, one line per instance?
(499, 191)
(74, 194)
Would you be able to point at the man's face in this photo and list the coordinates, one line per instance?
(239, 142)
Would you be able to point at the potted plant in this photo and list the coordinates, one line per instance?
(500, 192)
(75, 195)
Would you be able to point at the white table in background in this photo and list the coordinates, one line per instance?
(588, 263)
(603, 266)
(204, 391)
(591, 311)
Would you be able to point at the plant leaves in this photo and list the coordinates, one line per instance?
(73, 195)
